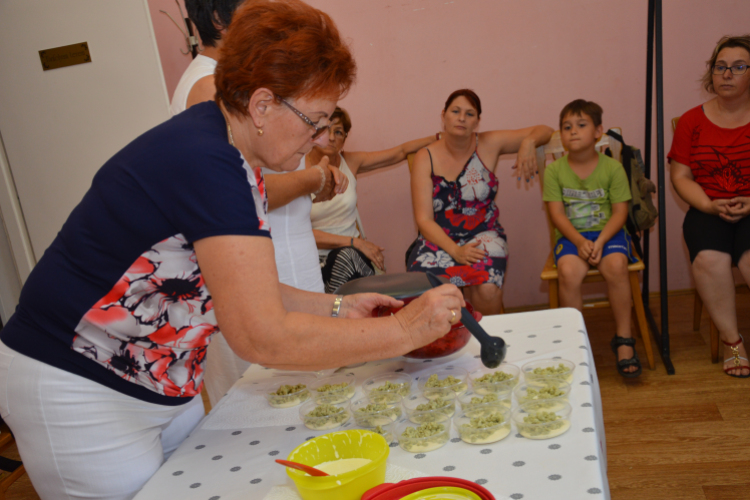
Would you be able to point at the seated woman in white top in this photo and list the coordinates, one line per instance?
(345, 253)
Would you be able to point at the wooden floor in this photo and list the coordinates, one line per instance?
(684, 436)
(679, 437)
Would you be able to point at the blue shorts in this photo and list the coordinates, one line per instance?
(619, 243)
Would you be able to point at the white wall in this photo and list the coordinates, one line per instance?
(60, 126)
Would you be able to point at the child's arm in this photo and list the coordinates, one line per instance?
(563, 224)
(612, 227)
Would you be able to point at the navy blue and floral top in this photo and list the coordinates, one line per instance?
(119, 297)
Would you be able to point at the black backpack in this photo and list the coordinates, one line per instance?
(642, 213)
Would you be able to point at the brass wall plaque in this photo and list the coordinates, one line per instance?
(69, 55)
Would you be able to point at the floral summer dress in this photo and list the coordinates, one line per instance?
(466, 210)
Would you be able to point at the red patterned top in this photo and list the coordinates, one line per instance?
(718, 157)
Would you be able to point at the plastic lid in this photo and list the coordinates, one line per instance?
(396, 285)
(401, 490)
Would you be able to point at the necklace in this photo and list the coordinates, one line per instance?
(229, 127)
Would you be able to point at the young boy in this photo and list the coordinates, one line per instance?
(587, 197)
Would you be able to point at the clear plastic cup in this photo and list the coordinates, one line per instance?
(502, 378)
(340, 387)
(287, 391)
(393, 382)
(324, 414)
(433, 436)
(550, 392)
(534, 421)
(493, 426)
(472, 400)
(388, 431)
(560, 369)
(455, 378)
(439, 407)
(369, 413)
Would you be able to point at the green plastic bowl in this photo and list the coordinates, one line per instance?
(353, 443)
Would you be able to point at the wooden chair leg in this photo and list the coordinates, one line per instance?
(5, 484)
(634, 320)
(697, 310)
(714, 340)
(6, 439)
(554, 301)
(640, 313)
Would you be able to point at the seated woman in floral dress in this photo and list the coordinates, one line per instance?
(453, 186)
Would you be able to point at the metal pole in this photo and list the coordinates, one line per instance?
(647, 143)
(664, 345)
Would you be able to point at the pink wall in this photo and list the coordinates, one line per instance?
(170, 40)
(526, 60)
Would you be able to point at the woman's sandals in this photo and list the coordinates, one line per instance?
(737, 364)
(625, 363)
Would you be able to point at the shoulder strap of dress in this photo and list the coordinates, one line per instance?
(432, 169)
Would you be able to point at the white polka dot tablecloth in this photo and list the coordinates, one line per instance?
(231, 453)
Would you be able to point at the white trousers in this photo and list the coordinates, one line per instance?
(81, 440)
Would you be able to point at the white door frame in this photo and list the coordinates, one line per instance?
(15, 225)
(16, 254)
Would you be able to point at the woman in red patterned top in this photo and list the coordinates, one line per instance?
(710, 170)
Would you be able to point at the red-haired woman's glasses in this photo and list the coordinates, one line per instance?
(737, 69)
(318, 130)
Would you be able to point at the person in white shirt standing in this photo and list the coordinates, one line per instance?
(289, 200)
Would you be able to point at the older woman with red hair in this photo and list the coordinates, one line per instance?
(101, 366)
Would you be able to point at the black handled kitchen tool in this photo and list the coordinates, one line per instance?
(493, 348)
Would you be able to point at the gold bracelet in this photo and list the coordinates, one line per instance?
(336, 306)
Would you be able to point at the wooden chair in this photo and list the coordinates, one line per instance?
(549, 274)
(13, 468)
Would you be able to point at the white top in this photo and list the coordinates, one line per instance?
(223, 366)
(200, 67)
(294, 243)
(290, 229)
(339, 215)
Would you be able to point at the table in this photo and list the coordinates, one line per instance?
(230, 454)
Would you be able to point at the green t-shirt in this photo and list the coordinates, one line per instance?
(588, 202)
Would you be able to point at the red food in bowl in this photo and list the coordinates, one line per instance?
(453, 341)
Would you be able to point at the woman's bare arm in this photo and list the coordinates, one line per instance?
(281, 327)
(324, 240)
(691, 192)
(203, 90)
(360, 162)
(523, 141)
